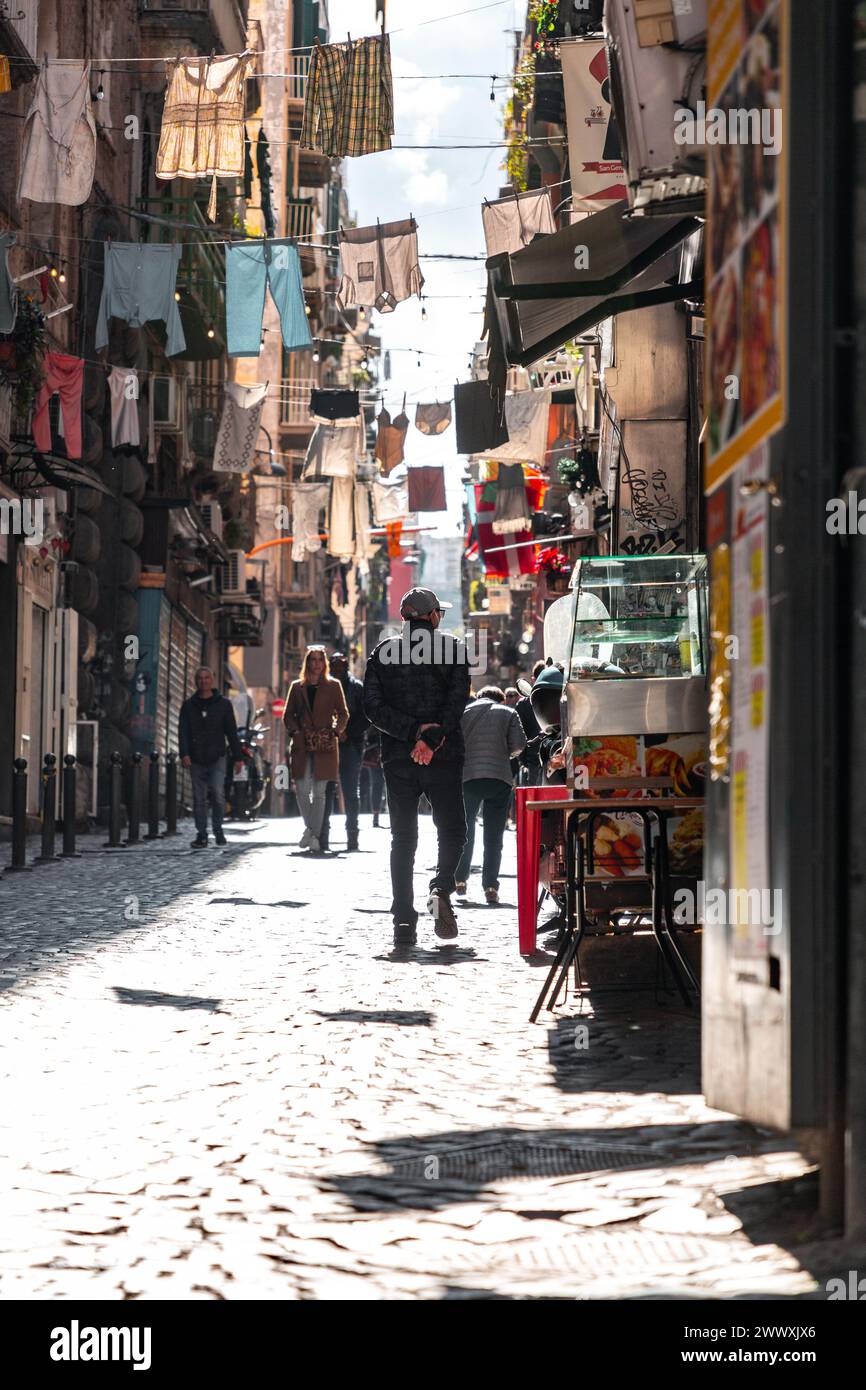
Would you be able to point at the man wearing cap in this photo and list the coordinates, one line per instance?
(416, 688)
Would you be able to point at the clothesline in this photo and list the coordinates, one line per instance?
(308, 47)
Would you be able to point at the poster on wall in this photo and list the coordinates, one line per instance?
(597, 177)
(750, 715)
(743, 130)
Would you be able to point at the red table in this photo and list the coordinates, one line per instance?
(528, 846)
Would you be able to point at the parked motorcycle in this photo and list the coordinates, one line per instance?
(246, 787)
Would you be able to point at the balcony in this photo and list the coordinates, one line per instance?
(19, 22)
(300, 223)
(201, 273)
(241, 623)
(296, 80)
(305, 168)
(219, 25)
(295, 402)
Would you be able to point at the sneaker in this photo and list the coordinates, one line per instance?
(313, 845)
(219, 838)
(460, 889)
(492, 895)
(440, 909)
(200, 842)
(305, 839)
(404, 934)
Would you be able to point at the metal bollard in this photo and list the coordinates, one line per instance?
(114, 796)
(69, 780)
(171, 794)
(133, 803)
(153, 798)
(49, 811)
(19, 817)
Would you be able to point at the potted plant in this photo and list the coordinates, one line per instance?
(21, 356)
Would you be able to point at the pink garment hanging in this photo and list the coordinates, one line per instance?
(66, 376)
(427, 489)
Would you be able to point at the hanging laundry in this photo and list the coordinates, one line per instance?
(512, 511)
(427, 489)
(5, 74)
(250, 267)
(58, 143)
(263, 168)
(479, 419)
(433, 419)
(527, 414)
(380, 265)
(363, 539)
(239, 427)
(8, 289)
(390, 501)
(308, 501)
(505, 563)
(341, 521)
(391, 439)
(334, 451)
(139, 286)
(203, 121)
(328, 407)
(64, 375)
(123, 393)
(248, 167)
(512, 222)
(393, 530)
(349, 98)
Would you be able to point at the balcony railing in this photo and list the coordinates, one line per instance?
(296, 81)
(300, 218)
(241, 623)
(295, 400)
(21, 20)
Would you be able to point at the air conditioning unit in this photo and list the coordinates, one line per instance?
(164, 403)
(212, 516)
(234, 575)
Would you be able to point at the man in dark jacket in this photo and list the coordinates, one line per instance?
(351, 744)
(415, 690)
(207, 724)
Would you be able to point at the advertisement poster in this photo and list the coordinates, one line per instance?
(750, 711)
(744, 133)
(618, 838)
(597, 177)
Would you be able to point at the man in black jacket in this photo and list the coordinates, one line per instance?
(415, 690)
(351, 744)
(207, 724)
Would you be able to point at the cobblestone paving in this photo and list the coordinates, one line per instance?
(219, 1080)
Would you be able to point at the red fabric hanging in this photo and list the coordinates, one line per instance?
(505, 564)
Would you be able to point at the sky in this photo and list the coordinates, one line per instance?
(442, 189)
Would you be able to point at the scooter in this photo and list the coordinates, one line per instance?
(248, 784)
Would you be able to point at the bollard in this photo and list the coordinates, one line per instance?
(114, 795)
(69, 779)
(19, 817)
(153, 798)
(49, 811)
(133, 803)
(171, 794)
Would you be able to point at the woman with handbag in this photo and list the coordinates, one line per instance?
(315, 718)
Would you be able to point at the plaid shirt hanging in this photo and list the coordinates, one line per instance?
(349, 100)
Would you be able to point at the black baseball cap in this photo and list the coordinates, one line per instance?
(420, 603)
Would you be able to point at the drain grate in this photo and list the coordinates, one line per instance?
(488, 1162)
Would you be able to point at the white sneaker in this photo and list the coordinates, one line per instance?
(305, 839)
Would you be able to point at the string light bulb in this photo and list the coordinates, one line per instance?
(211, 332)
(177, 295)
(53, 272)
(362, 313)
(100, 91)
(61, 279)
(307, 310)
(492, 88)
(316, 353)
(423, 311)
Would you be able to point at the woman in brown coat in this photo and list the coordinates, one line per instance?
(315, 718)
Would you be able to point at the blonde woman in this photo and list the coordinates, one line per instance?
(315, 718)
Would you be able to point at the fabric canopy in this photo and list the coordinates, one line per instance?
(539, 299)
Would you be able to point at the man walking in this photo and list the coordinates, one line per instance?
(493, 735)
(207, 724)
(351, 744)
(415, 690)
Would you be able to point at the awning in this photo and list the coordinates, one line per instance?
(58, 471)
(537, 300)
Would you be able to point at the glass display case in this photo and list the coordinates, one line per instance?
(638, 654)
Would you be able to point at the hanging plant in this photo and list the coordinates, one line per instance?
(21, 356)
(518, 148)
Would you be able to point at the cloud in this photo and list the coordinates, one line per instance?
(427, 188)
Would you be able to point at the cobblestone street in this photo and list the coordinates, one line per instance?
(220, 1081)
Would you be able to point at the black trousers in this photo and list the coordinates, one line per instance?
(350, 777)
(442, 783)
